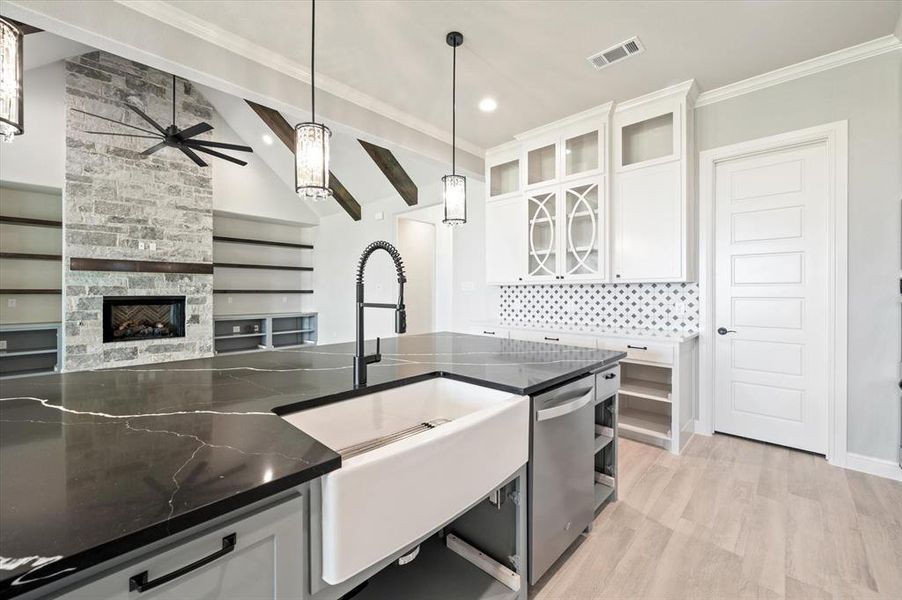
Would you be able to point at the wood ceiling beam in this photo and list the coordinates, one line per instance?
(285, 132)
(393, 171)
(25, 28)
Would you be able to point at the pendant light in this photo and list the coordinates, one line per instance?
(311, 150)
(454, 186)
(12, 122)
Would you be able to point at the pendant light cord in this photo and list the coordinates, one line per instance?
(454, 110)
(312, 61)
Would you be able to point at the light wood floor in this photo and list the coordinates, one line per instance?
(731, 518)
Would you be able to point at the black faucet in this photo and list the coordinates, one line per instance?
(360, 359)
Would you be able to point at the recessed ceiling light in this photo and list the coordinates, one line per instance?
(487, 104)
(267, 139)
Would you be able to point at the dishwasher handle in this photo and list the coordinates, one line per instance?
(565, 408)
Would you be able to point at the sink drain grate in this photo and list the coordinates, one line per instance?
(390, 438)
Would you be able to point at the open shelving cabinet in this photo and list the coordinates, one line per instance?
(606, 441)
(249, 333)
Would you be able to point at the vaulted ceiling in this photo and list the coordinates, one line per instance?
(530, 56)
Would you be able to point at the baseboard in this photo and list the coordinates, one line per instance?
(699, 429)
(874, 466)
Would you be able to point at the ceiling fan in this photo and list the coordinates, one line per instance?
(173, 137)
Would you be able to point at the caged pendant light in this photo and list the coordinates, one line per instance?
(454, 186)
(12, 122)
(311, 156)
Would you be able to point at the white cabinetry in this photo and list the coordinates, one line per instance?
(652, 236)
(559, 207)
(259, 556)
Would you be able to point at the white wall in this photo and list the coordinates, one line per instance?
(339, 244)
(416, 243)
(38, 156)
(869, 95)
(254, 189)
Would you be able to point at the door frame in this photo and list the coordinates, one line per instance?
(835, 137)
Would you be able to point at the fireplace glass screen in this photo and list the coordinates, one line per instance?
(143, 318)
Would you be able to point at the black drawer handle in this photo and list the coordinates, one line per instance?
(610, 375)
(488, 332)
(140, 582)
(637, 347)
(551, 339)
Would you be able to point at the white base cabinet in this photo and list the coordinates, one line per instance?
(259, 557)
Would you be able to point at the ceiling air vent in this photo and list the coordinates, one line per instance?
(622, 50)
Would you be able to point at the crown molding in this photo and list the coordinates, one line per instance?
(845, 56)
(202, 29)
(596, 112)
(686, 88)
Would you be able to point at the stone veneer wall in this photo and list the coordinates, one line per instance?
(115, 199)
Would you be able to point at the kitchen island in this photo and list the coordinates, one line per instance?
(98, 464)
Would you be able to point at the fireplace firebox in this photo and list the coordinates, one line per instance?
(130, 318)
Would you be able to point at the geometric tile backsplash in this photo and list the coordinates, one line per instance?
(668, 306)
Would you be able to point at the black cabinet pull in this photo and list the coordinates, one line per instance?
(610, 375)
(551, 339)
(637, 347)
(140, 583)
(488, 332)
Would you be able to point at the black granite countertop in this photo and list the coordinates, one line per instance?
(98, 463)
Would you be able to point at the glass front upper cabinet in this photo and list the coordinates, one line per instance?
(541, 164)
(504, 178)
(582, 231)
(541, 259)
(581, 154)
(647, 140)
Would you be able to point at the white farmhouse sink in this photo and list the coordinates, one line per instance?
(383, 499)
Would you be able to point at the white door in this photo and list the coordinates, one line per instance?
(505, 240)
(771, 366)
(648, 223)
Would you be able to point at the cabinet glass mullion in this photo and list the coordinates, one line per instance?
(541, 235)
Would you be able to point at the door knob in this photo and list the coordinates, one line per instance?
(725, 331)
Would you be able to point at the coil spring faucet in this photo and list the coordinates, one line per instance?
(361, 360)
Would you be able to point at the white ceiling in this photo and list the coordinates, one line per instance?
(530, 56)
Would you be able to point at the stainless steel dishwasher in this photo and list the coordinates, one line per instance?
(561, 471)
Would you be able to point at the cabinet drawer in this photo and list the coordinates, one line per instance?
(607, 383)
(550, 337)
(643, 351)
(260, 556)
(488, 330)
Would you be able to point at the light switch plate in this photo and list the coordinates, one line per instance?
(11, 303)
(2, 344)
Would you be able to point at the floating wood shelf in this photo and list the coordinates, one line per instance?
(234, 240)
(264, 267)
(139, 266)
(29, 291)
(262, 291)
(29, 221)
(27, 256)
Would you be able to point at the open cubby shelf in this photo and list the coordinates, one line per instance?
(30, 221)
(235, 240)
(643, 422)
(249, 333)
(262, 267)
(640, 388)
(29, 349)
(30, 256)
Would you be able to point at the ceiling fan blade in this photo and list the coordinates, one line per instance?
(190, 154)
(84, 112)
(219, 155)
(141, 114)
(154, 148)
(132, 135)
(224, 146)
(194, 130)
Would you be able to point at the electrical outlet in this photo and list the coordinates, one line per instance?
(153, 245)
(236, 329)
(11, 303)
(229, 300)
(140, 245)
(468, 286)
(284, 299)
(2, 344)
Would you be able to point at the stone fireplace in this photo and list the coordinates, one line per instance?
(132, 318)
(133, 225)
